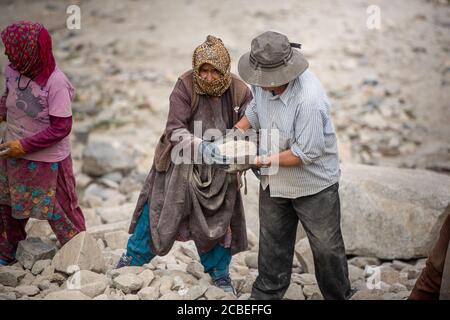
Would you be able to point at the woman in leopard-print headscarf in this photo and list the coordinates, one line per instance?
(195, 201)
(211, 56)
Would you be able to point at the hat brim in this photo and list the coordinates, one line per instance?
(272, 77)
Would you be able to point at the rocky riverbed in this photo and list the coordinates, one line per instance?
(40, 274)
(390, 95)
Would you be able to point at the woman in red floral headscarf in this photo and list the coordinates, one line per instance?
(36, 175)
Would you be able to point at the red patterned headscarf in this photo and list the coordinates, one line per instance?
(28, 46)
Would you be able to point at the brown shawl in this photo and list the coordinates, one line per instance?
(208, 200)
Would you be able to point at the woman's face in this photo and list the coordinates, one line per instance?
(6, 54)
(4, 51)
(208, 72)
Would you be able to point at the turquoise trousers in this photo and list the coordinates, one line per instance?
(215, 262)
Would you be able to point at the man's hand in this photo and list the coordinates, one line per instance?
(262, 161)
(282, 159)
(12, 149)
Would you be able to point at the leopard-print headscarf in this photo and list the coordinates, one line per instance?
(212, 51)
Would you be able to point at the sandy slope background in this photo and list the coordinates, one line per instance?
(137, 49)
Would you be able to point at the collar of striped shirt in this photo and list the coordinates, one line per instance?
(287, 93)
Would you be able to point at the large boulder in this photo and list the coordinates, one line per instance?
(304, 255)
(11, 276)
(33, 249)
(100, 231)
(117, 239)
(392, 213)
(251, 207)
(116, 213)
(389, 213)
(294, 292)
(26, 290)
(38, 229)
(87, 282)
(80, 253)
(128, 283)
(103, 155)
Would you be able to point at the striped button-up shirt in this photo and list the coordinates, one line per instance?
(302, 116)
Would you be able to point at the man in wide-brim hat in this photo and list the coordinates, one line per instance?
(290, 101)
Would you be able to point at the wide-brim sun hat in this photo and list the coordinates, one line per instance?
(272, 61)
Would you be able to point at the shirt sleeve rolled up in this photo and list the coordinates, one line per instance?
(252, 115)
(309, 142)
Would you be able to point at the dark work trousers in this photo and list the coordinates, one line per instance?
(320, 216)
